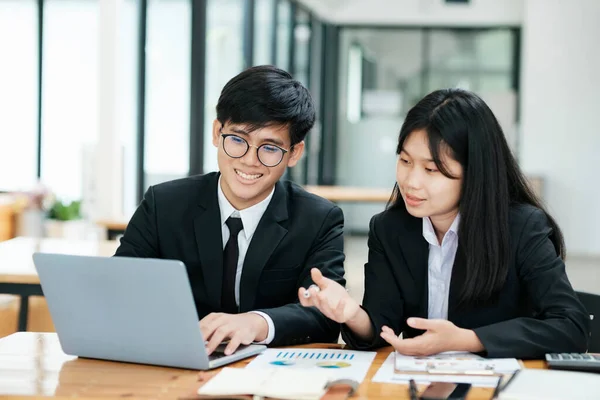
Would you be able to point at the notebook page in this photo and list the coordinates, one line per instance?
(277, 383)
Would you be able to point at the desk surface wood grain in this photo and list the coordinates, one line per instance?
(33, 364)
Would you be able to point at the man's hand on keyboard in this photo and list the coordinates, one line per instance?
(238, 328)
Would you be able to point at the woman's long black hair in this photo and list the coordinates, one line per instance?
(492, 182)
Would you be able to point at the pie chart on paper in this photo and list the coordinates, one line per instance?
(333, 364)
(282, 363)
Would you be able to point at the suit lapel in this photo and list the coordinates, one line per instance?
(416, 254)
(207, 227)
(265, 240)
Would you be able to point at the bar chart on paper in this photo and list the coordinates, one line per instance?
(340, 363)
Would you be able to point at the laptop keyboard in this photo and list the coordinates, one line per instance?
(219, 352)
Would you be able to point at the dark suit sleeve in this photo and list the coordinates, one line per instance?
(141, 236)
(382, 299)
(561, 323)
(295, 324)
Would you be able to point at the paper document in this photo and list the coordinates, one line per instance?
(455, 363)
(275, 383)
(450, 367)
(540, 384)
(342, 364)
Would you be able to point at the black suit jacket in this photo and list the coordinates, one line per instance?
(181, 220)
(536, 312)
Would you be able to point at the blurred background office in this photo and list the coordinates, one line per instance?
(99, 99)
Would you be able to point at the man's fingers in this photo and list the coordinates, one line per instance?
(204, 322)
(246, 340)
(234, 343)
(217, 337)
(209, 329)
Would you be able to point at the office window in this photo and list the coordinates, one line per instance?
(168, 59)
(302, 33)
(224, 60)
(127, 112)
(18, 96)
(476, 60)
(284, 26)
(385, 72)
(263, 31)
(301, 67)
(69, 93)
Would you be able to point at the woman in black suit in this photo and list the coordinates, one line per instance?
(464, 258)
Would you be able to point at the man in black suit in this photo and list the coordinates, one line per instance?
(247, 239)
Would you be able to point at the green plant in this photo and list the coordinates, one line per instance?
(65, 211)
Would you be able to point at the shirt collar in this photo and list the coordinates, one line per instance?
(250, 216)
(429, 232)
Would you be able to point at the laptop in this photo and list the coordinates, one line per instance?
(136, 310)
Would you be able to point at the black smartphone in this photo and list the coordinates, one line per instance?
(446, 391)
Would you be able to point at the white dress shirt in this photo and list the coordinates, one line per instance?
(250, 218)
(441, 261)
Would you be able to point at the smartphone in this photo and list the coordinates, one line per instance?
(446, 391)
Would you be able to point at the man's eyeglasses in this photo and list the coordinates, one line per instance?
(269, 155)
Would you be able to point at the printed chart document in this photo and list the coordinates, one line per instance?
(341, 364)
(445, 367)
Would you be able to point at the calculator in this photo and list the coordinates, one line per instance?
(574, 361)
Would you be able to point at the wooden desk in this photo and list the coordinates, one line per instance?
(33, 364)
(17, 272)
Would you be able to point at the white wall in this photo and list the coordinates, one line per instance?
(560, 104)
(418, 12)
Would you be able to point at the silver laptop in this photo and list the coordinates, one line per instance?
(136, 310)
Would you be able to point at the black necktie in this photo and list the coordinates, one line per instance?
(230, 260)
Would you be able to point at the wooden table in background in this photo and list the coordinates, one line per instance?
(337, 194)
(33, 364)
(347, 194)
(17, 272)
(7, 217)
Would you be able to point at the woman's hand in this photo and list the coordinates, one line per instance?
(440, 336)
(329, 297)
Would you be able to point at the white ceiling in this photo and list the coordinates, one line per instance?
(418, 12)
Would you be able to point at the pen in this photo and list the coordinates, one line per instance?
(499, 389)
(412, 388)
(510, 379)
(307, 293)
